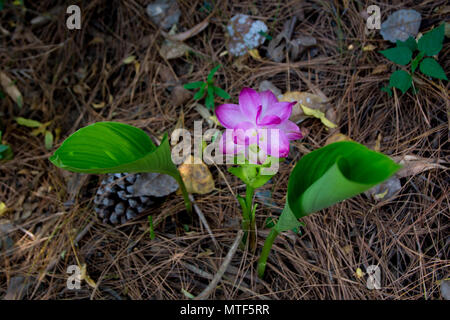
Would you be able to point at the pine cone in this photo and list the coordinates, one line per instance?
(122, 196)
(115, 201)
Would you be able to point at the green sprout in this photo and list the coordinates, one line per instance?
(209, 88)
(5, 150)
(430, 44)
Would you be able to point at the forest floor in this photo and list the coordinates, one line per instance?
(48, 222)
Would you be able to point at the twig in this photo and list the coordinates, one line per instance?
(203, 220)
(212, 285)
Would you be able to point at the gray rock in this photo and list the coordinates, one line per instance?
(164, 13)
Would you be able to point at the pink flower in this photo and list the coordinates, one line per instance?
(259, 120)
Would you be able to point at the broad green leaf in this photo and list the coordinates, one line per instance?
(416, 61)
(209, 101)
(211, 73)
(200, 93)
(431, 42)
(221, 93)
(431, 68)
(331, 174)
(399, 55)
(409, 43)
(112, 147)
(28, 122)
(193, 85)
(401, 80)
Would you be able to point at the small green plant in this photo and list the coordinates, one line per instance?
(5, 150)
(428, 46)
(209, 88)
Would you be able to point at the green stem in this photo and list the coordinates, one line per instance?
(266, 251)
(247, 219)
(187, 201)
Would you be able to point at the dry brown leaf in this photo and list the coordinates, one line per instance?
(187, 34)
(173, 49)
(196, 176)
(11, 89)
(306, 99)
(179, 95)
(381, 68)
(413, 165)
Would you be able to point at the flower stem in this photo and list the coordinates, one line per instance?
(266, 251)
(248, 223)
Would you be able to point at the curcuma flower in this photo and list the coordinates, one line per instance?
(259, 122)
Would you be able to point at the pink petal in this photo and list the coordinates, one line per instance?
(269, 120)
(274, 142)
(245, 133)
(282, 110)
(267, 99)
(250, 104)
(291, 130)
(229, 115)
(227, 145)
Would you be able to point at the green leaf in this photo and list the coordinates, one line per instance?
(200, 93)
(409, 43)
(48, 140)
(431, 42)
(221, 93)
(431, 68)
(331, 174)
(416, 61)
(401, 80)
(193, 85)
(387, 90)
(209, 101)
(28, 122)
(399, 55)
(112, 147)
(211, 73)
(250, 174)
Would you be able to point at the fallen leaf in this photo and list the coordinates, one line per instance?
(41, 130)
(369, 47)
(267, 85)
(98, 105)
(3, 208)
(319, 115)
(196, 176)
(48, 140)
(401, 25)
(254, 53)
(309, 100)
(154, 184)
(359, 273)
(173, 49)
(381, 68)
(28, 122)
(129, 60)
(385, 190)
(179, 96)
(187, 34)
(17, 288)
(336, 137)
(11, 89)
(84, 276)
(413, 165)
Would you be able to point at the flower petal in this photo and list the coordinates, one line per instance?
(269, 120)
(245, 133)
(274, 142)
(227, 145)
(291, 130)
(282, 110)
(229, 115)
(250, 104)
(267, 100)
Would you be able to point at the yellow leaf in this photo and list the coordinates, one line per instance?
(196, 176)
(309, 100)
(41, 129)
(129, 59)
(85, 277)
(369, 47)
(337, 137)
(3, 208)
(255, 54)
(98, 105)
(359, 273)
(319, 115)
